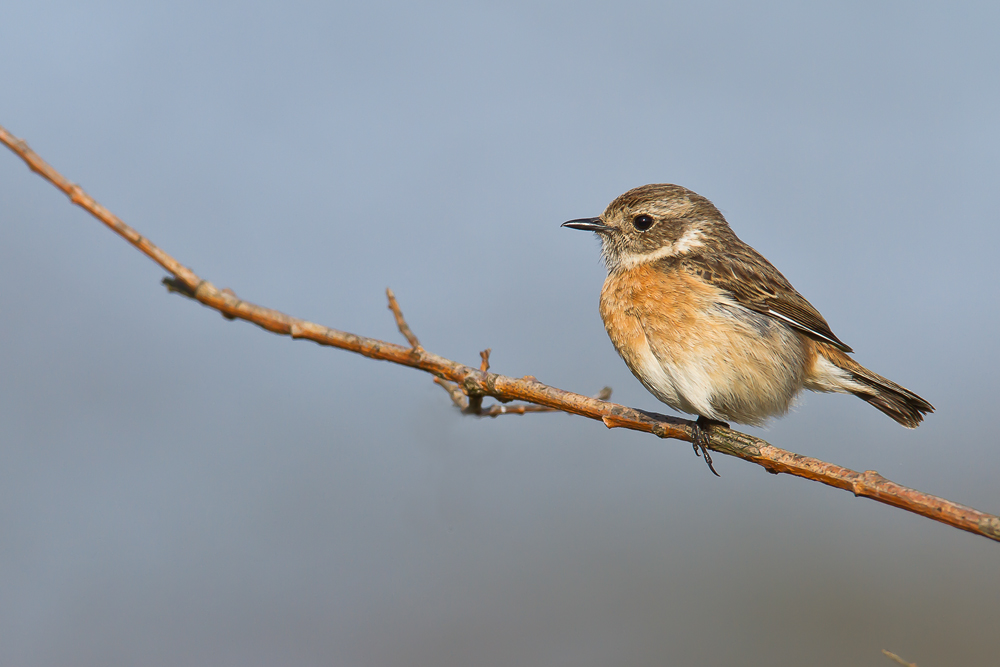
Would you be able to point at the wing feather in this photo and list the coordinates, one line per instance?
(756, 284)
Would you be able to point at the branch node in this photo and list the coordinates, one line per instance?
(231, 293)
(990, 526)
(869, 479)
(76, 194)
(176, 286)
(485, 356)
(470, 386)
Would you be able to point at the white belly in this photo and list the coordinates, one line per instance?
(742, 367)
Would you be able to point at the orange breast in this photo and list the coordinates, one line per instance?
(696, 349)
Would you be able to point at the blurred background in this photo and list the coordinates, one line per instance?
(180, 489)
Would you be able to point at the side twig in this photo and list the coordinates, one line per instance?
(476, 383)
(896, 659)
(404, 328)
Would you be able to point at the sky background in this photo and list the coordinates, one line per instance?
(176, 488)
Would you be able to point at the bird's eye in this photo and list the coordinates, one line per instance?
(642, 222)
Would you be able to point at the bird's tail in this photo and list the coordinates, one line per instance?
(899, 403)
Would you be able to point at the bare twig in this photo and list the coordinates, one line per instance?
(457, 397)
(895, 658)
(476, 383)
(500, 409)
(471, 407)
(404, 328)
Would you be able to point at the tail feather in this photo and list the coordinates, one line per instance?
(898, 402)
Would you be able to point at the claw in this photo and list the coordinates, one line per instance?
(700, 441)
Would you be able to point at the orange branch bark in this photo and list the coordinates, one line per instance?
(476, 383)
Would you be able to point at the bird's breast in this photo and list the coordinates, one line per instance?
(698, 350)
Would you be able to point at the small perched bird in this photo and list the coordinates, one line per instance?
(709, 326)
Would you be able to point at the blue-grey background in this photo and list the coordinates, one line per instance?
(180, 489)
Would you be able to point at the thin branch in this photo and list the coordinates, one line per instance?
(404, 328)
(462, 403)
(457, 397)
(896, 659)
(476, 383)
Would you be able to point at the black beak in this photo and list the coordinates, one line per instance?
(587, 224)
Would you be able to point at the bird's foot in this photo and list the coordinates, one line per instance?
(700, 442)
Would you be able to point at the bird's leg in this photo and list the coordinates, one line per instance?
(700, 442)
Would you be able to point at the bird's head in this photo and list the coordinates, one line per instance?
(654, 221)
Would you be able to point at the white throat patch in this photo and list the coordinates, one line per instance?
(688, 241)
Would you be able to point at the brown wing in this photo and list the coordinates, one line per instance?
(756, 284)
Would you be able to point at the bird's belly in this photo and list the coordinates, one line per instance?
(700, 352)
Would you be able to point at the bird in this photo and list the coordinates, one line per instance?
(713, 329)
